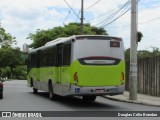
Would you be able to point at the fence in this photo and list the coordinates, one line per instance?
(148, 76)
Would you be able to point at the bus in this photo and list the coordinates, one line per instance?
(81, 65)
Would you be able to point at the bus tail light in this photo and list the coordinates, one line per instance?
(122, 76)
(75, 77)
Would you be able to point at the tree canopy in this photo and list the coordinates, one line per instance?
(42, 36)
(5, 38)
(12, 60)
(143, 53)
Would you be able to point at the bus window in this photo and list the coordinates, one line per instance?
(99, 48)
(66, 54)
(43, 58)
(32, 60)
(51, 56)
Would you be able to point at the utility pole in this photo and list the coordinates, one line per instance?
(81, 16)
(133, 52)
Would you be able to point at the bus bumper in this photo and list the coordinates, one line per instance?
(103, 90)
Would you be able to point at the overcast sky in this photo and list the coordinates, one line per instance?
(21, 17)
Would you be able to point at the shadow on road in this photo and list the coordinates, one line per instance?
(79, 103)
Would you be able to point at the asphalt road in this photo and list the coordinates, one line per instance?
(19, 97)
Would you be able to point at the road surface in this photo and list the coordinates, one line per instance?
(19, 97)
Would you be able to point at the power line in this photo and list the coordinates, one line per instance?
(78, 15)
(118, 16)
(115, 13)
(72, 9)
(67, 16)
(69, 12)
(92, 5)
(103, 14)
(138, 23)
(149, 20)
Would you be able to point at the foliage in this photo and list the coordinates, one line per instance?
(6, 39)
(20, 72)
(11, 59)
(43, 36)
(143, 53)
(5, 72)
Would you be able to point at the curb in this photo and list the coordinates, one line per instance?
(131, 101)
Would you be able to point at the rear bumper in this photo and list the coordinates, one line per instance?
(104, 90)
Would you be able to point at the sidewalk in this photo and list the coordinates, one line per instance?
(141, 99)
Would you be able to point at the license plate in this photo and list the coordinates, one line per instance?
(100, 90)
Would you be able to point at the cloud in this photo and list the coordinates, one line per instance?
(149, 29)
(22, 17)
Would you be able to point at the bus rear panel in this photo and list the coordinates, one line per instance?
(99, 67)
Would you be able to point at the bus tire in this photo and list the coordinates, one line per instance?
(89, 98)
(1, 96)
(31, 82)
(35, 91)
(52, 96)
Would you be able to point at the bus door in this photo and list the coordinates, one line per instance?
(64, 59)
(38, 69)
(59, 61)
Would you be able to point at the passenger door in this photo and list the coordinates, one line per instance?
(59, 61)
(66, 60)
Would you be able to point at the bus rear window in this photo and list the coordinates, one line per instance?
(87, 48)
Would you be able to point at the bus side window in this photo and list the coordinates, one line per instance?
(66, 54)
(59, 54)
(32, 61)
(51, 57)
(43, 58)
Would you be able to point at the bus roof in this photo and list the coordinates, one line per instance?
(74, 37)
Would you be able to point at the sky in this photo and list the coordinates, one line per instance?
(21, 17)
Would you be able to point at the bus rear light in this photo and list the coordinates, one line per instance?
(122, 76)
(75, 77)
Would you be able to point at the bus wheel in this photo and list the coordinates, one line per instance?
(52, 96)
(35, 91)
(1, 95)
(89, 98)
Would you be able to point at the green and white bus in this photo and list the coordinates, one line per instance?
(80, 65)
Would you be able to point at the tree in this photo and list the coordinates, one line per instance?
(143, 53)
(20, 72)
(6, 39)
(5, 72)
(10, 58)
(43, 36)
(127, 54)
